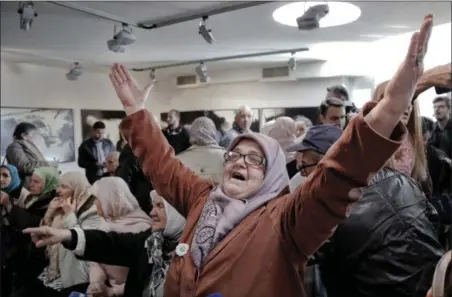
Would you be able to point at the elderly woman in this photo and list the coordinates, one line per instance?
(233, 229)
(27, 261)
(284, 131)
(147, 254)
(73, 207)
(204, 156)
(122, 213)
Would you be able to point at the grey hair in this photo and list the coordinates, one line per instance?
(241, 109)
(304, 120)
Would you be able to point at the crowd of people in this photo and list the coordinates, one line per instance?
(357, 205)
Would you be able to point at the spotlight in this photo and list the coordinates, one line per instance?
(121, 39)
(27, 14)
(205, 31)
(311, 18)
(75, 71)
(201, 71)
(292, 63)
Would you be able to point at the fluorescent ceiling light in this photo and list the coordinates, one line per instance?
(341, 13)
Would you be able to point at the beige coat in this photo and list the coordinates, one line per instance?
(206, 161)
(263, 255)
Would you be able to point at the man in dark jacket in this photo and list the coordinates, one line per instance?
(93, 152)
(388, 246)
(130, 171)
(177, 136)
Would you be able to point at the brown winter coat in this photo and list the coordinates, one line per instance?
(262, 256)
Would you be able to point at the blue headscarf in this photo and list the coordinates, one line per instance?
(15, 179)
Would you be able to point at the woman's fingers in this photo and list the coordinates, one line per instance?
(115, 72)
(412, 53)
(114, 81)
(35, 231)
(46, 241)
(125, 75)
(425, 32)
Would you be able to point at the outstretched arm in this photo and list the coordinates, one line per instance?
(309, 218)
(170, 178)
(110, 248)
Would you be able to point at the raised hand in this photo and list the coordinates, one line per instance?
(401, 88)
(69, 205)
(131, 95)
(44, 236)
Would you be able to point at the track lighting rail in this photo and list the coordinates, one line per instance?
(224, 58)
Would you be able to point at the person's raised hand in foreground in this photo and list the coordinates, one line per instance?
(131, 95)
(401, 88)
(45, 236)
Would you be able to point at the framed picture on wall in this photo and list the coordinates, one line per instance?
(311, 113)
(55, 127)
(111, 119)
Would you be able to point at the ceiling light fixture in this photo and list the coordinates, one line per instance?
(121, 39)
(201, 71)
(27, 14)
(75, 72)
(340, 13)
(205, 31)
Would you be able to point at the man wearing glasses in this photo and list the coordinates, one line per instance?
(314, 146)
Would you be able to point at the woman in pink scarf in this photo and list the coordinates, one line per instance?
(122, 214)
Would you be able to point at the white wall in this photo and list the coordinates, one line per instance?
(298, 93)
(28, 85)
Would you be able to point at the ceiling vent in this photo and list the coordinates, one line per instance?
(187, 81)
(275, 72)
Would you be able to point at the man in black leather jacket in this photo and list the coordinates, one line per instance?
(387, 247)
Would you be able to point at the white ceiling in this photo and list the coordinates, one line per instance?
(62, 34)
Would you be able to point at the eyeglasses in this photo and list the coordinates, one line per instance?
(250, 159)
(303, 168)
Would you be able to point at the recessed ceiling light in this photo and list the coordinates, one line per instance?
(341, 13)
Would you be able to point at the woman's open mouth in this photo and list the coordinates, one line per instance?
(238, 176)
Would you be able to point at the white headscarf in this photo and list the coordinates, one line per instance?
(175, 222)
(119, 207)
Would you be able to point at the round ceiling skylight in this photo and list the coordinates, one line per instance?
(340, 13)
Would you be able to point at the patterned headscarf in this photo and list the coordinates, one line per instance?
(203, 132)
(221, 213)
(15, 178)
